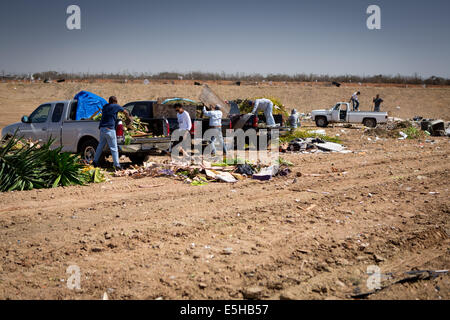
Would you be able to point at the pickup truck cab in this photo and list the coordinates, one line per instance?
(341, 113)
(56, 120)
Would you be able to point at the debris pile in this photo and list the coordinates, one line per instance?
(313, 145)
(405, 129)
(203, 174)
(433, 127)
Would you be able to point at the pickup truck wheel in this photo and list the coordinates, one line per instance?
(371, 123)
(88, 149)
(321, 122)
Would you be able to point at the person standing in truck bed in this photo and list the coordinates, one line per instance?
(108, 131)
(267, 106)
(377, 103)
(355, 100)
(215, 124)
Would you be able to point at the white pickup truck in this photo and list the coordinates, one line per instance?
(341, 113)
(56, 120)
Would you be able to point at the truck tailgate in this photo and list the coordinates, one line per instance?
(145, 144)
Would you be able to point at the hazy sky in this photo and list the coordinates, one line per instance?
(277, 36)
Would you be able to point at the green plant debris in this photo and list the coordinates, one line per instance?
(414, 133)
(303, 134)
(199, 181)
(94, 175)
(245, 107)
(25, 165)
(230, 162)
(282, 161)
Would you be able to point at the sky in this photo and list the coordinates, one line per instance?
(249, 36)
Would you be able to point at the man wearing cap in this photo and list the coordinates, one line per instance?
(267, 106)
(215, 124)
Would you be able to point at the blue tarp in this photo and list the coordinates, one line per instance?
(88, 104)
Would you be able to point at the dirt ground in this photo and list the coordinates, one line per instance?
(310, 235)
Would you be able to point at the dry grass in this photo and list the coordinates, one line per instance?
(21, 99)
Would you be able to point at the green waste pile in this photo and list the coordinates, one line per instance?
(137, 128)
(245, 107)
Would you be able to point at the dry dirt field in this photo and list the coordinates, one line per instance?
(310, 235)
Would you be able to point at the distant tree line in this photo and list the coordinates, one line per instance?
(209, 76)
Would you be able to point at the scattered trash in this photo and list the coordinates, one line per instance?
(319, 131)
(337, 84)
(311, 145)
(222, 176)
(437, 128)
(403, 135)
(227, 251)
(434, 127)
(245, 169)
(199, 175)
(330, 146)
(266, 173)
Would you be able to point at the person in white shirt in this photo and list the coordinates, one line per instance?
(184, 119)
(215, 124)
(184, 123)
(267, 106)
(355, 101)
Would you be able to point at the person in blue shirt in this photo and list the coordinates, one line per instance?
(108, 131)
(377, 102)
(215, 124)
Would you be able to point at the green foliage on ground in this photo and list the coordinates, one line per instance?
(284, 162)
(414, 133)
(25, 166)
(303, 134)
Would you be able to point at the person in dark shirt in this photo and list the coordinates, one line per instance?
(377, 102)
(108, 131)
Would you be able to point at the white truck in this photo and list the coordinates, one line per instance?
(56, 120)
(341, 113)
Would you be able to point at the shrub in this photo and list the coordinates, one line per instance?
(25, 166)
